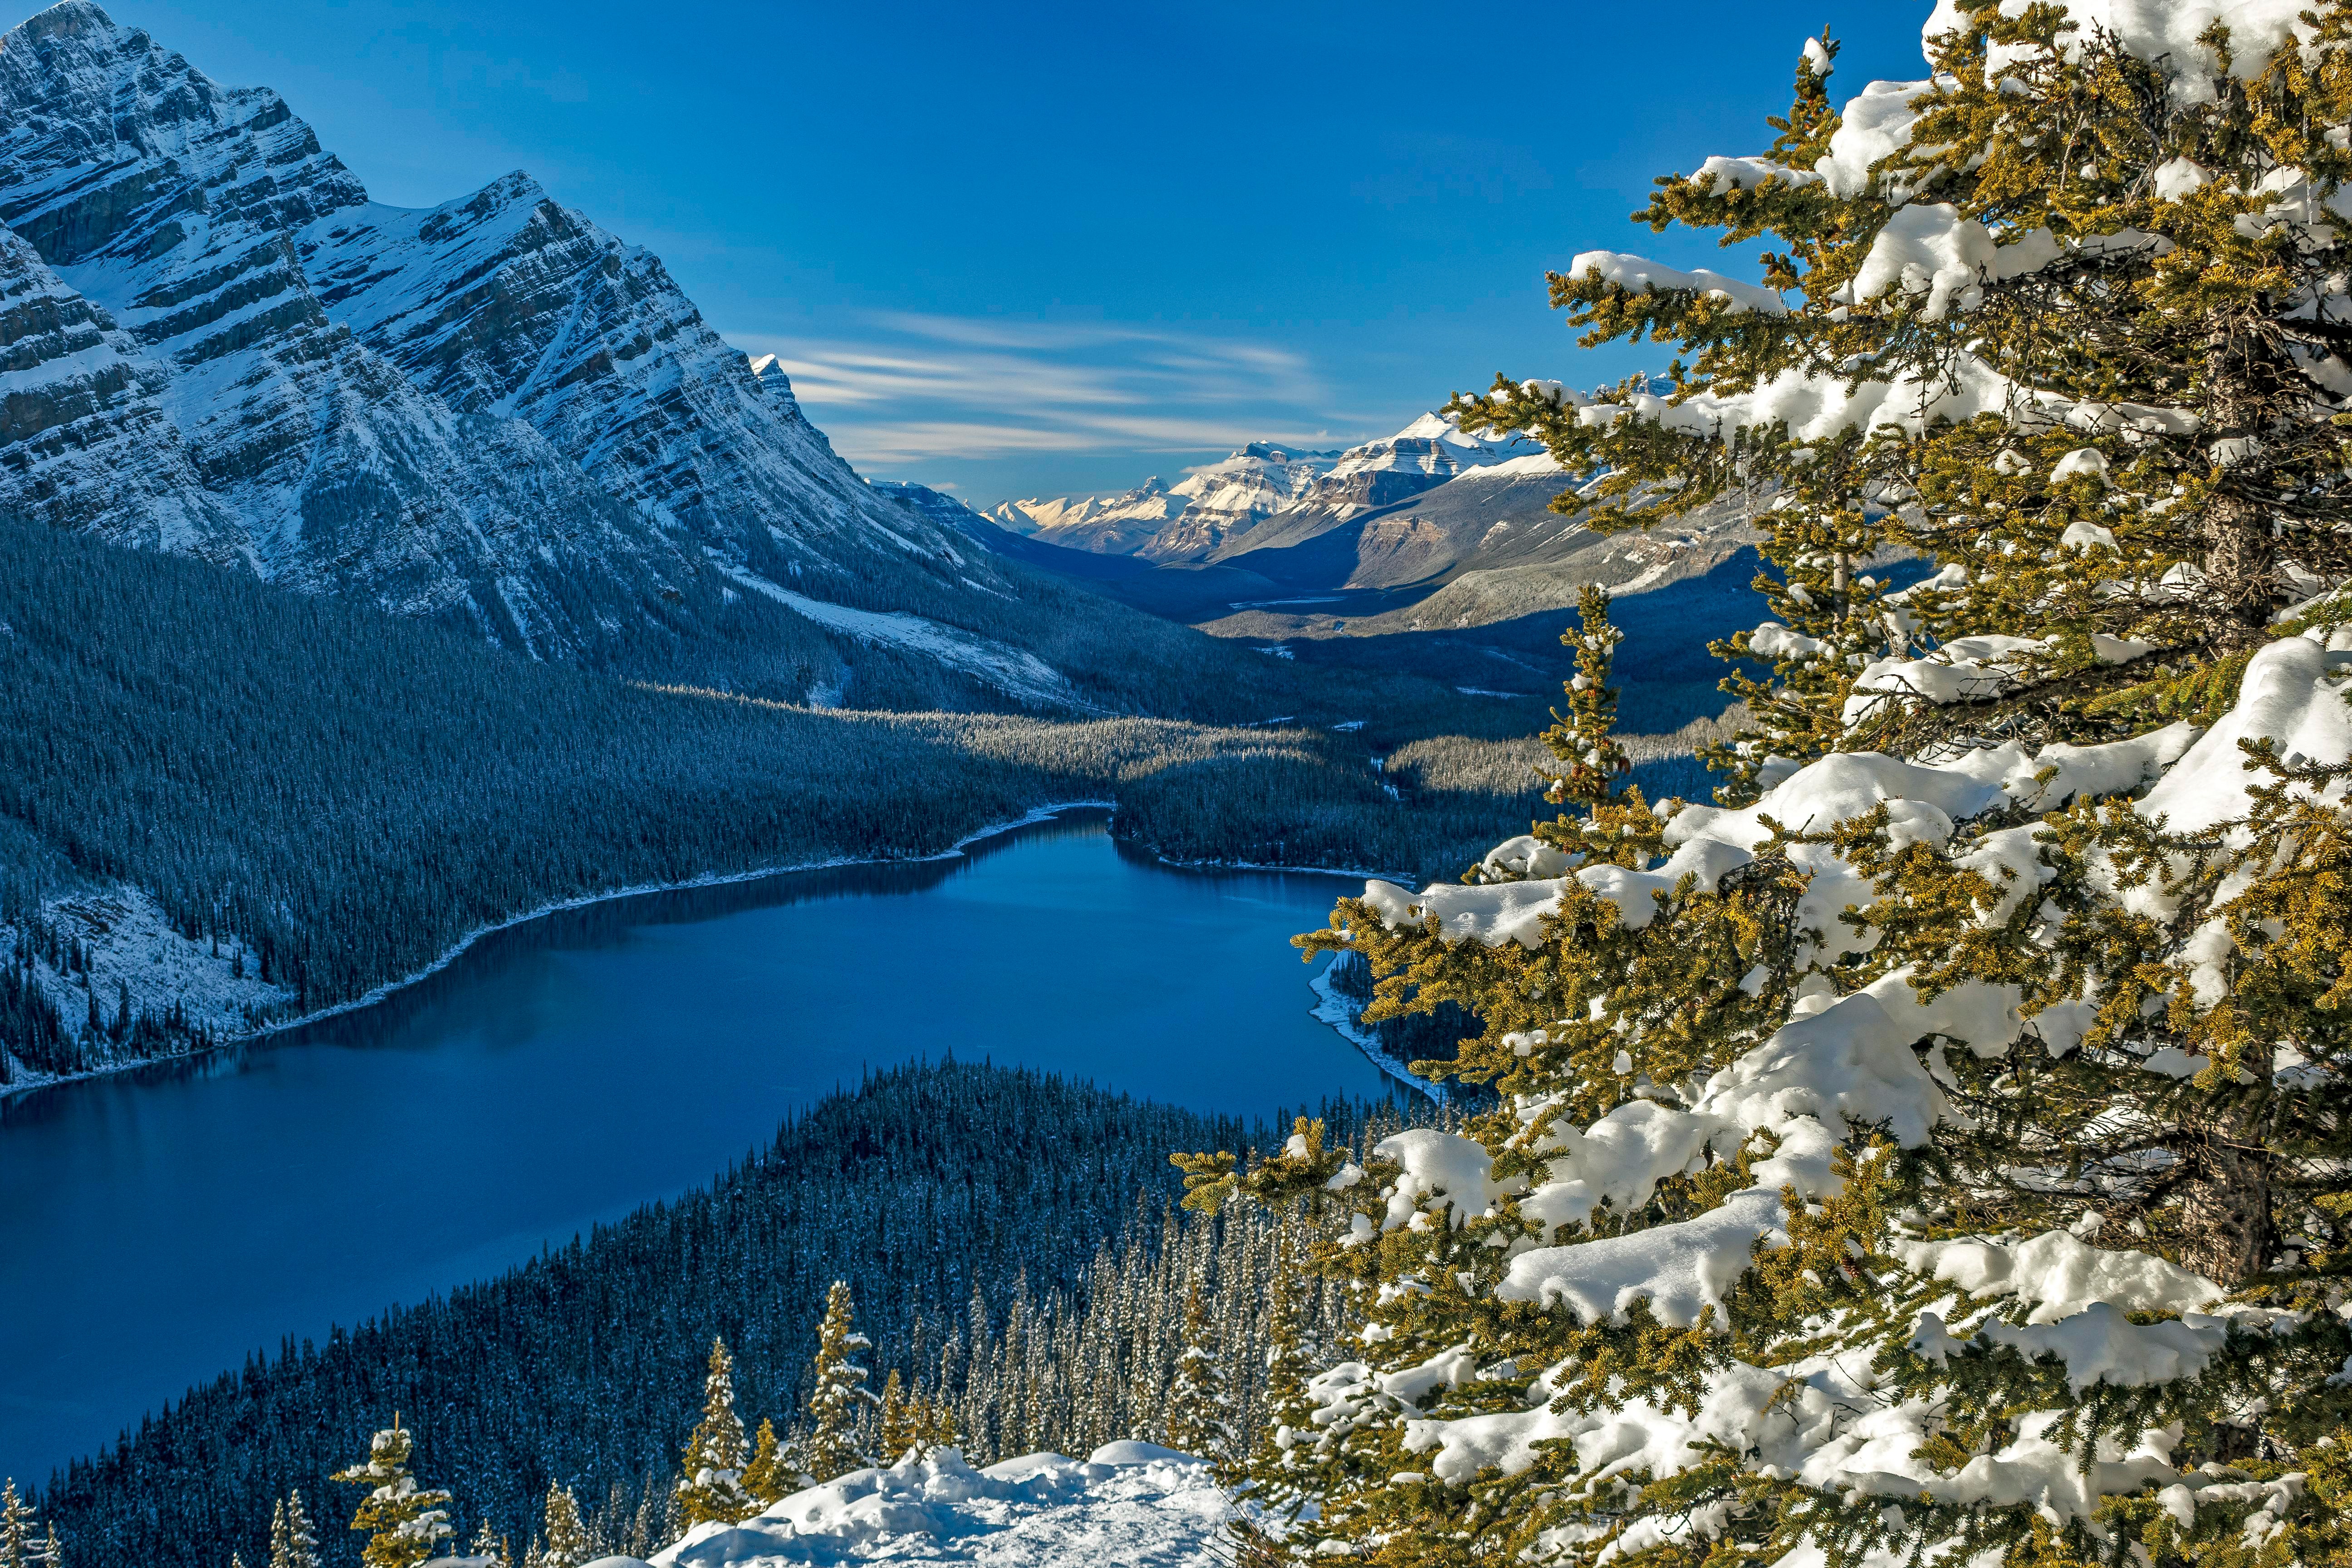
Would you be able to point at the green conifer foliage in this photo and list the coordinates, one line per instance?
(897, 1419)
(930, 1422)
(1276, 1475)
(489, 1545)
(711, 1487)
(404, 1521)
(771, 1476)
(1198, 1404)
(568, 1544)
(1935, 1150)
(19, 1546)
(839, 1396)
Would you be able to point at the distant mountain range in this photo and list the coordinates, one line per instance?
(1214, 507)
(1451, 529)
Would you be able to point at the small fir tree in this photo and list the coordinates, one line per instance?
(489, 1545)
(403, 1522)
(839, 1397)
(1270, 1477)
(19, 1547)
(1198, 1403)
(293, 1544)
(771, 1476)
(898, 1420)
(931, 1423)
(568, 1542)
(712, 1486)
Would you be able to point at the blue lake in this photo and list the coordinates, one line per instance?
(164, 1224)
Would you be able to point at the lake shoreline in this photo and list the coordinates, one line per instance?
(29, 1083)
(1345, 1019)
(465, 943)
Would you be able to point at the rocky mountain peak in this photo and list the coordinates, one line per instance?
(490, 411)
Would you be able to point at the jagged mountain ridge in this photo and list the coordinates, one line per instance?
(1263, 492)
(1159, 521)
(491, 411)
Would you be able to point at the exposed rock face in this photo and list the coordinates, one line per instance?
(509, 305)
(84, 440)
(490, 412)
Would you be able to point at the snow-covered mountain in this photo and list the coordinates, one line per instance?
(1426, 454)
(1260, 492)
(1160, 521)
(490, 412)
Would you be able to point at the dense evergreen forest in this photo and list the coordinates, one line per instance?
(335, 796)
(1008, 1239)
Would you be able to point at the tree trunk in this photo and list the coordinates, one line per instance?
(2241, 565)
(2226, 1215)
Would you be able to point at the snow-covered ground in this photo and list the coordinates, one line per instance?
(132, 944)
(1131, 1505)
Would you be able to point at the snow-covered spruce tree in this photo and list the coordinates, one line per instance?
(490, 1546)
(1935, 1150)
(20, 1545)
(838, 1396)
(711, 1487)
(405, 1523)
(1198, 1404)
(293, 1544)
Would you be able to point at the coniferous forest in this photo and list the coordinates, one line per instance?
(330, 797)
(1010, 1242)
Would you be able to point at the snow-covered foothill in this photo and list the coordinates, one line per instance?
(1128, 1502)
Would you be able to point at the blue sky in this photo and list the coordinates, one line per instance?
(1038, 249)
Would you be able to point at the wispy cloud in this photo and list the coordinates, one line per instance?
(903, 391)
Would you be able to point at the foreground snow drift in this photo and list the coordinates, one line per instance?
(1131, 1503)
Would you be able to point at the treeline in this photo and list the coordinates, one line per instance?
(1008, 1236)
(344, 795)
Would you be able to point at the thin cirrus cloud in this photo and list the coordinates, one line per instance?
(908, 391)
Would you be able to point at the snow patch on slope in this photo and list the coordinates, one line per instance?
(131, 943)
(1008, 669)
(1131, 1503)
